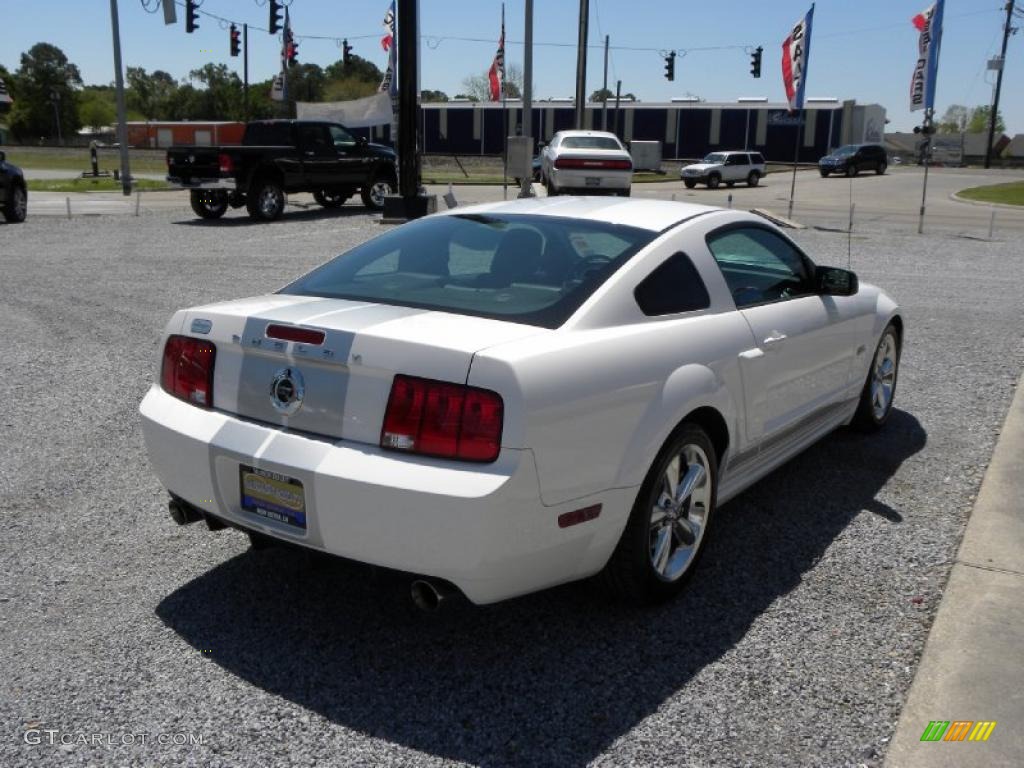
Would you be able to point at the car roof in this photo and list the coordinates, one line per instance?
(575, 132)
(655, 215)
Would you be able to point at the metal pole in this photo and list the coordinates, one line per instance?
(527, 189)
(408, 98)
(245, 71)
(122, 124)
(927, 156)
(55, 100)
(618, 118)
(581, 63)
(796, 158)
(999, 84)
(504, 121)
(604, 89)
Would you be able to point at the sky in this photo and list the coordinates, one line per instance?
(860, 49)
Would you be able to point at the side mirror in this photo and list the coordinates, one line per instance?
(362, 141)
(833, 281)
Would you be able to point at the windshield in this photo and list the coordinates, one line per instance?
(522, 268)
(715, 157)
(590, 142)
(849, 149)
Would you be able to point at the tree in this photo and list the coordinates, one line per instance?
(478, 87)
(980, 117)
(222, 97)
(429, 96)
(45, 83)
(149, 95)
(954, 120)
(601, 94)
(96, 107)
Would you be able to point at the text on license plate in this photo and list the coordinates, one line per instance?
(593, 181)
(273, 496)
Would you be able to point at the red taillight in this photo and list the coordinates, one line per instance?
(436, 418)
(585, 163)
(294, 333)
(225, 163)
(187, 370)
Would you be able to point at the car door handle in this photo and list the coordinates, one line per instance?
(772, 340)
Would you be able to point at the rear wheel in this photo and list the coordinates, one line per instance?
(330, 199)
(265, 201)
(753, 178)
(880, 388)
(690, 183)
(714, 180)
(668, 525)
(374, 193)
(17, 205)
(209, 204)
(881, 168)
(625, 192)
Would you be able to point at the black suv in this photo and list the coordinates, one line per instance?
(854, 158)
(13, 196)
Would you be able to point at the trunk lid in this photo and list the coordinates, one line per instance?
(345, 380)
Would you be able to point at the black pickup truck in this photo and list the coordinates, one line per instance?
(281, 156)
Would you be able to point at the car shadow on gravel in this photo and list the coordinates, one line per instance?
(293, 213)
(547, 679)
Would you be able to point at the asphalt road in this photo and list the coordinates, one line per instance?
(795, 644)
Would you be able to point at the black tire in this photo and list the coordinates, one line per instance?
(880, 170)
(16, 208)
(690, 183)
(373, 194)
(625, 192)
(329, 198)
(753, 178)
(265, 201)
(208, 204)
(852, 170)
(868, 417)
(714, 180)
(552, 189)
(824, 174)
(630, 573)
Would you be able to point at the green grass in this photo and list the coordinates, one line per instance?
(77, 159)
(1007, 194)
(89, 185)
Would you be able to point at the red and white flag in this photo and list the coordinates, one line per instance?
(496, 74)
(796, 51)
(389, 28)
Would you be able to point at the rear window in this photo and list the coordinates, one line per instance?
(536, 270)
(757, 158)
(590, 142)
(268, 134)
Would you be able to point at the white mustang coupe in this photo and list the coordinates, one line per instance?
(509, 396)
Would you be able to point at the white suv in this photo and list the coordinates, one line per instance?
(729, 167)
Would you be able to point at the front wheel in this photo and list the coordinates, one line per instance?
(824, 174)
(17, 206)
(208, 205)
(265, 201)
(330, 199)
(373, 194)
(876, 398)
(690, 183)
(668, 525)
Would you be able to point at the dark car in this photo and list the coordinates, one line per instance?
(277, 157)
(854, 158)
(13, 195)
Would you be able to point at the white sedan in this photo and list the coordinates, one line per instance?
(509, 396)
(586, 162)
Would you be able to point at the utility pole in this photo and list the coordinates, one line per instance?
(527, 190)
(245, 71)
(604, 89)
(581, 64)
(1007, 31)
(122, 125)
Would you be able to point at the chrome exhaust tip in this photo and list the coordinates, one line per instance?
(428, 596)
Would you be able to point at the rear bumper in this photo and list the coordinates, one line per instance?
(577, 179)
(481, 527)
(228, 185)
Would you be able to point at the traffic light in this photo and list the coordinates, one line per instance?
(670, 66)
(291, 49)
(275, 16)
(755, 62)
(346, 51)
(236, 46)
(190, 16)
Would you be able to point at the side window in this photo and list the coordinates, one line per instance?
(314, 139)
(342, 139)
(757, 159)
(759, 266)
(735, 160)
(674, 286)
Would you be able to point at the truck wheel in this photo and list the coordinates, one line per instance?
(330, 199)
(714, 180)
(209, 205)
(753, 179)
(373, 195)
(265, 201)
(690, 183)
(17, 205)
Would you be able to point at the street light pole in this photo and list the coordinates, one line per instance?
(604, 89)
(526, 189)
(122, 125)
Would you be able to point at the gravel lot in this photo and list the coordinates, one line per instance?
(795, 645)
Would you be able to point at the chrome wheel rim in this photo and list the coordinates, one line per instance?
(378, 192)
(679, 515)
(268, 201)
(883, 376)
(19, 203)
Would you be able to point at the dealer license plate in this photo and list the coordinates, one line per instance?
(593, 181)
(273, 496)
